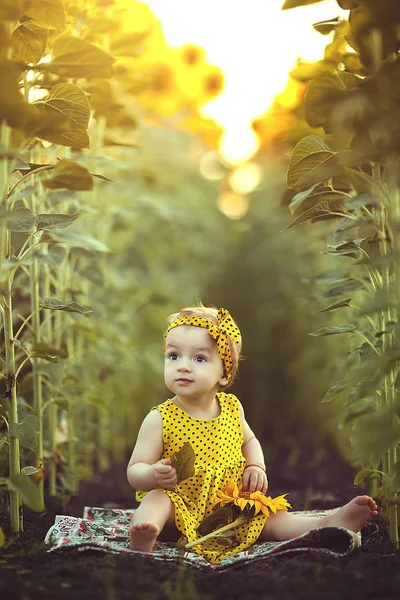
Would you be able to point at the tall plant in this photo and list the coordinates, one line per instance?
(349, 174)
(50, 109)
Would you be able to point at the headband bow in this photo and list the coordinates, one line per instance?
(220, 332)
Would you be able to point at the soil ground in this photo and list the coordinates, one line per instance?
(28, 572)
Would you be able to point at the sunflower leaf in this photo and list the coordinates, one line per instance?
(221, 516)
(183, 461)
(218, 532)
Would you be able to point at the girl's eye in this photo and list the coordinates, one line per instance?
(200, 359)
(173, 356)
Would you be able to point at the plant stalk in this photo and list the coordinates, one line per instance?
(236, 523)
(14, 455)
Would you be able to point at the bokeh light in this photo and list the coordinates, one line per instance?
(232, 205)
(255, 44)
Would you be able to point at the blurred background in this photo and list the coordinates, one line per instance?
(195, 108)
(199, 154)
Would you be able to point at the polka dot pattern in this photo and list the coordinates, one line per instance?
(225, 327)
(217, 444)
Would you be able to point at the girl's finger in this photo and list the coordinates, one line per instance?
(245, 481)
(168, 480)
(164, 469)
(253, 481)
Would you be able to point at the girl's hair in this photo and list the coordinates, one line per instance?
(210, 313)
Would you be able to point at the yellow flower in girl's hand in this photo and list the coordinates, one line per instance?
(235, 494)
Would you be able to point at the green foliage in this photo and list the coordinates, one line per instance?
(28, 491)
(266, 280)
(360, 163)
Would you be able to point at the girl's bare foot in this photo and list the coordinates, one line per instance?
(354, 515)
(143, 535)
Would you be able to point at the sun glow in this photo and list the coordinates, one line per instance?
(256, 45)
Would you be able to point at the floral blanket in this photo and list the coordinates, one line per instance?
(107, 530)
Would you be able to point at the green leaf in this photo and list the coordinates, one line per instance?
(306, 71)
(183, 461)
(333, 330)
(336, 305)
(55, 304)
(351, 244)
(13, 108)
(326, 27)
(45, 356)
(73, 57)
(127, 43)
(3, 442)
(335, 390)
(55, 221)
(365, 474)
(299, 198)
(348, 285)
(21, 220)
(103, 177)
(69, 175)
(373, 434)
(218, 518)
(70, 102)
(312, 161)
(47, 13)
(61, 402)
(29, 42)
(321, 95)
(361, 407)
(54, 256)
(389, 326)
(367, 200)
(26, 431)
(332, 208)
(296, 3)
(380, 301)
(41, 348)
(28, 491)
(73, 238)
(26, 471)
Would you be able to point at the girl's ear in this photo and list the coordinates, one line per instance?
(223, 381)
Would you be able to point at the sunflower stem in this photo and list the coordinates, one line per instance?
(239, 521)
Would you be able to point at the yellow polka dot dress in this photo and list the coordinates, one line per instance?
(217, 444)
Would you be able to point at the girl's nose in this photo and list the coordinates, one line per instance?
(183, 367)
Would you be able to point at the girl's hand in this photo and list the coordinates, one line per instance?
(164, 474)
(254, 479)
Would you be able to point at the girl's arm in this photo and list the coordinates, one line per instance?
(145, 469)
(255, 477)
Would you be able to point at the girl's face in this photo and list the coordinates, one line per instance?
(192, 364)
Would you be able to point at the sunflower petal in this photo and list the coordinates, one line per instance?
(241, 503)
(230, 487)
(264, 510)
(257, 506)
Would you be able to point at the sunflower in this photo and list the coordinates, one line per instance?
(242, 499)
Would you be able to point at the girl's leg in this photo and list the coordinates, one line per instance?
(354, 516)
(155, 510)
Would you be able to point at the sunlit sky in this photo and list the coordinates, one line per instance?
(255, 43)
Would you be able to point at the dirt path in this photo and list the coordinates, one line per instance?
(33, 574)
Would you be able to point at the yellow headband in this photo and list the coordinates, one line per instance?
(225, 328)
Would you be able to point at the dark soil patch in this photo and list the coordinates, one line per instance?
(33, 574)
